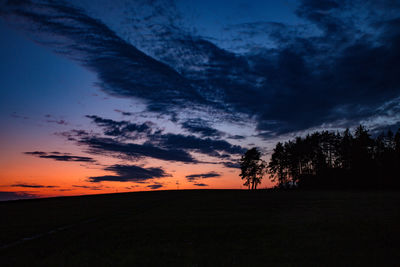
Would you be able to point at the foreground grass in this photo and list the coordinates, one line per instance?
(205, 228)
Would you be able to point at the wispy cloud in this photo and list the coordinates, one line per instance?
(194, 177)
(58, 156)
(33, 185)
(88, 187)
(155, 186)
(200, 184)
(129, 173)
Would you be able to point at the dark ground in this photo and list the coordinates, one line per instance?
(204, 228)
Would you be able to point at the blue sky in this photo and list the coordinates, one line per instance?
(158, 88)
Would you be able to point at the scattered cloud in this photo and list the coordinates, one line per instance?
(129, 173)
(194, 177)
(237, 137)
(33, 185)
(88, 187)
(339, 65)
(230, 164)
(159, 145)
(121, 128)
(155, 186)
(125, 113)
(200, 184)
(208, 146)
(105, 146)
(201, 127)
(58, 156)
(59, 122)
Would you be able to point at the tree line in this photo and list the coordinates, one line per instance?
(330, 160)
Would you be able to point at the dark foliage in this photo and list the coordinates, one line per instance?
(338, 160)
(252, 168)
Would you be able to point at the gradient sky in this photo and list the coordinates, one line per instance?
(114, 96)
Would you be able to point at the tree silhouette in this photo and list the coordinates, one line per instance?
(333, 160)
(252, 168)
(278, 165)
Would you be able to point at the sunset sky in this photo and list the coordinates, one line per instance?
(117, 96)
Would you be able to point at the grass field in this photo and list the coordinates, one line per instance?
(204, 228)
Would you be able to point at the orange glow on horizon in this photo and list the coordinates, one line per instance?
(60, 178)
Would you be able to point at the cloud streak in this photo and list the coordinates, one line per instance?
(129, 173)
(200, 184)
(194, 177)
(58, 156)
(88, 187)
(155, 186)
(33, 185)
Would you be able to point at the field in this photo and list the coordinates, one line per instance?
(204, 228)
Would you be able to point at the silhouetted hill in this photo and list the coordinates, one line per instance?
(203, 228)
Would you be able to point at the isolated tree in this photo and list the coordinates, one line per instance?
(252, 168)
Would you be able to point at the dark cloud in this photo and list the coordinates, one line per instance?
(194, 177)
(131, 187)
(340, 64)
(33, 185)
(206, 146)
(121, 128)
(6, 195)
(121, 68)
(201, 127)
(52, 119)
(88, 187)
(230, 164)
(59, 156)
(171, 147)
(129, 173)
(125, 113)
(380, 129)
(319, 12)
(200, 184)
(155, 186)
(59, 122)
(73, 135)
(237, 137)
(105, 146)
(342, 72)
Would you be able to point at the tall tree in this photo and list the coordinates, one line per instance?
(252, 168)
(333, 160)
(278, 164)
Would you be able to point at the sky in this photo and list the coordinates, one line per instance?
(118, 96)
